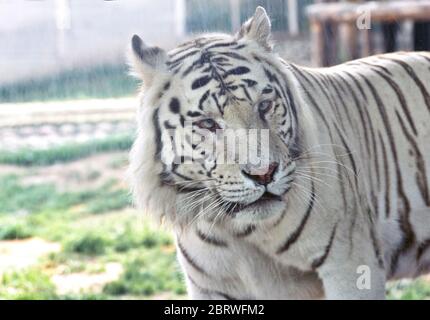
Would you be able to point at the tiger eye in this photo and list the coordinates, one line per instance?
(208, 124)
(265, 106)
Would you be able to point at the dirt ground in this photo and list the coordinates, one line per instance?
(19, 254)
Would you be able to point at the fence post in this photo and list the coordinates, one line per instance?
(293, 17)
(317, 38)
(180, 17)
(63, 19)
(235, 15)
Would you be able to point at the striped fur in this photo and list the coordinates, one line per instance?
(353, 147)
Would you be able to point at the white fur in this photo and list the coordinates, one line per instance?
(251, 266)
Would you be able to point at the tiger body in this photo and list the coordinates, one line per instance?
(352, 150)
(401, 235)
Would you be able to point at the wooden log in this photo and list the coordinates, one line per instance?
(317, 38)
(350, 39)
(330, 34)
(422, 36)
(380, 12)
(325, 16)
(366, 44)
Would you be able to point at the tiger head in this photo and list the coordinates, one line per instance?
(191, 97)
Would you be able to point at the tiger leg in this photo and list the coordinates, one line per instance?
(353, 271)
(343, 282)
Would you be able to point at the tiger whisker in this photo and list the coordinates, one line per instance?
(306, 176)
(318, 173)
(337, 163)
(205, 210)
(307, 192)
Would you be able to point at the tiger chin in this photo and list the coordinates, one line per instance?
(339, 205)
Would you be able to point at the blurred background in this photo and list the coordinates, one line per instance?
(67, 228)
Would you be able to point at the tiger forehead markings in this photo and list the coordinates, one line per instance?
(211, 62)
(223, 78)
(346, 186)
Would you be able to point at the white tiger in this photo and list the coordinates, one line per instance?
(346, 191)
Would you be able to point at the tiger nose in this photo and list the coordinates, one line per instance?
(261, 178)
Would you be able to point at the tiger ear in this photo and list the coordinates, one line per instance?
(146, 61)
(257, 28)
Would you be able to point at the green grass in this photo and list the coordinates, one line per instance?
(153, 272)
(65, 153)
(410, 290)
(41, 202)
(106, 81)
(35, 284)
(15, 231)
(115, 236)
(129, 238)
(15, 197)
(84, 296)
(89, 241)
(91, 244)
(111, 200)
(89, 223)
(27, 284)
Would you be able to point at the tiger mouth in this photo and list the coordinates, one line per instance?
(267, 197)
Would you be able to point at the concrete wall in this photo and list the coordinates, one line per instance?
(39, 37)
